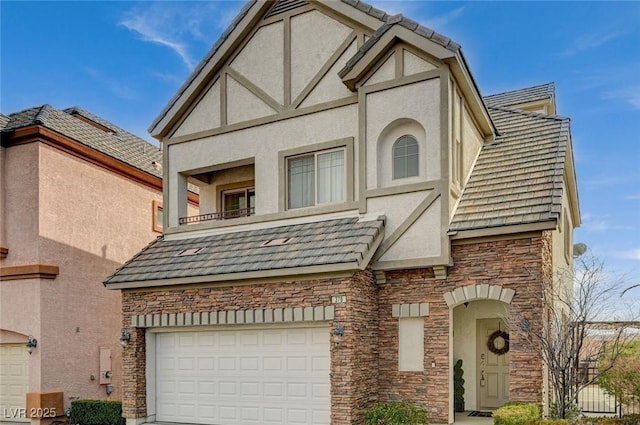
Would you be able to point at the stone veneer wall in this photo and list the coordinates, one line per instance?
(520, 264)
(353, 360)
(364, 365)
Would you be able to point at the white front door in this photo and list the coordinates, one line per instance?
(493, 369)
(14, 382)
(244, 376)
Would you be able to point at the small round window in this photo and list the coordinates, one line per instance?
(405, 157)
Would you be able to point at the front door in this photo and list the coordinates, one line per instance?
(493, 364)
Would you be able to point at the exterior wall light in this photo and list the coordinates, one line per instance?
(338, 332)
(125, 337)
(31, 344)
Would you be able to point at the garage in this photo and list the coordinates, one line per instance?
(14, 381)
(244, 376)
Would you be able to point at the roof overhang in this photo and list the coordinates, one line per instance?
(303, 272)
(354, 74)
(299, 273)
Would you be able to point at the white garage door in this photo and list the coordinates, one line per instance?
(260, 376)
(14, 381)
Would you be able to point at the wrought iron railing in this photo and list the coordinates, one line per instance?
(222, 215)
(593, 399)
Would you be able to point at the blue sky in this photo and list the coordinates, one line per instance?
(124, 60)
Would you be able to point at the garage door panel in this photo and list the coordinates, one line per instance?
(269, 376)
(14, 380)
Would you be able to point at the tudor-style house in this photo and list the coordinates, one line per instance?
(366, 219)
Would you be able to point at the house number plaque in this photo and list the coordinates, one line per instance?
(338, 299)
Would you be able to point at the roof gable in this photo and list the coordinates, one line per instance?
(271, 98)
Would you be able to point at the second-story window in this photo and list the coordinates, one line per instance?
(316, 178)
(238, 202)
(405, 157)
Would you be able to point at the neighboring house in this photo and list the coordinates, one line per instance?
(78, 197)
(366, 219)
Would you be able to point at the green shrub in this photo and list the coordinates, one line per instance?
(625, 420)
(572, 412)
(96, 412)
(458, 386)
(516, 414)
(395, 413)
(552, 422)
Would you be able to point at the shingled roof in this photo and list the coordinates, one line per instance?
(517, 179)
(115, 142)
(345, 244)
(518, 97)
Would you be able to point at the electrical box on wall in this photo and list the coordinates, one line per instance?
(105, 366)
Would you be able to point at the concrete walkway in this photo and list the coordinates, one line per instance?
(464, 419)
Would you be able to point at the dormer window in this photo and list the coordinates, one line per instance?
(316, 178)
(405, 158)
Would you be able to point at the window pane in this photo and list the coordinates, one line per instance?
(405, 158)
(234, 201)
(412, 165)
(330, 177)
(301, 181)
(252, 199)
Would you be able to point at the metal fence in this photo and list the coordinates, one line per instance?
(593, 399)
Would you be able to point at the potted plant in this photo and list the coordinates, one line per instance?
(458, 387)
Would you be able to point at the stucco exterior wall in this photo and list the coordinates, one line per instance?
(210, 194)
(262, 144)
(465, 143)
(64, 211)
(419, 103)
(21, 190)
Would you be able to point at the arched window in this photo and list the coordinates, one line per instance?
(405, 157)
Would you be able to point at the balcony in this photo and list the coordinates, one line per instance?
(222, 215)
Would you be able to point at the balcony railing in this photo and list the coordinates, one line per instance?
(222, 215)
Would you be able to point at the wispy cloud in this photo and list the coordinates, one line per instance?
(599, 224)
(630, 95)
(177, 25)
(154, 25)
(118, 88)
(590, 41)
(437, 23)
(632, 198)
(632, 254)
(170, 78)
